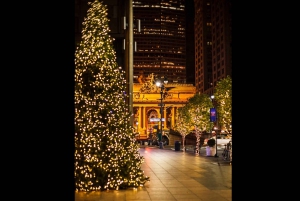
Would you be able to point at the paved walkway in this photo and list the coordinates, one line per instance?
(175, 176)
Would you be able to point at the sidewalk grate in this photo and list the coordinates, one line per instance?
(223, 163)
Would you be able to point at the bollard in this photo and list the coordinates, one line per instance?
(177, 146)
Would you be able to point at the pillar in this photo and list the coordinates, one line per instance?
(173, 117)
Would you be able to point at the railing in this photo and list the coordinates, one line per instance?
(227, 153)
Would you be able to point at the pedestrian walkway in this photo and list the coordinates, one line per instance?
(175, 176)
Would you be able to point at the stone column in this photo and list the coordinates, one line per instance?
(173, 117)
(165, 117)
(139, 118)
(144, 118)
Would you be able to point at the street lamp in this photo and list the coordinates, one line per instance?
(214, 118)
(161, 84)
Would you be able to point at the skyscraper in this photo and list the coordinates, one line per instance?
(213, 43)
(161, 43)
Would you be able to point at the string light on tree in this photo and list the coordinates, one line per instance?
(106, 154)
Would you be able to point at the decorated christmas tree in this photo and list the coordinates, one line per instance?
(106, 154)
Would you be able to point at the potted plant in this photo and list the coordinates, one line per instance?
(210, 149)
(211, 142)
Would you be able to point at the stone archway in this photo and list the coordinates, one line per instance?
(153, 126)
(151, 113)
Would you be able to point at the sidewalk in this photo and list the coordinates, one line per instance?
(190, 149)
(175, 176)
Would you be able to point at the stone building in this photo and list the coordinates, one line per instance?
(146, 106)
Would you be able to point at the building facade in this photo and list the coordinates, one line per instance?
(161, 42)
(160, 48)
(146, 106)
(213, 43)
(160, 45)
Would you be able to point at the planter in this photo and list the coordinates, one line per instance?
(210, 151)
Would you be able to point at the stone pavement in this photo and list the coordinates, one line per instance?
(175, 176)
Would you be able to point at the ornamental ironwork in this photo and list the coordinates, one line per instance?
(149, 87)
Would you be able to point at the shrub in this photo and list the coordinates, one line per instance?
(211, 142)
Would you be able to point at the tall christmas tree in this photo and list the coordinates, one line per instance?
(106, 154)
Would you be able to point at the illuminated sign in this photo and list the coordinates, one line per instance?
(213, 114)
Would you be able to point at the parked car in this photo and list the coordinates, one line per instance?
(222, 139)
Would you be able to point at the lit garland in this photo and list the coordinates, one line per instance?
(106, 155)
(199, 110)
(183, 125)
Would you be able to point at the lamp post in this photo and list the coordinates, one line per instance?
(216, 131)
(214, 118)
(161, 84)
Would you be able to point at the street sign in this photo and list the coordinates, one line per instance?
(213, 115)
(161, 104)
(156, 119)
